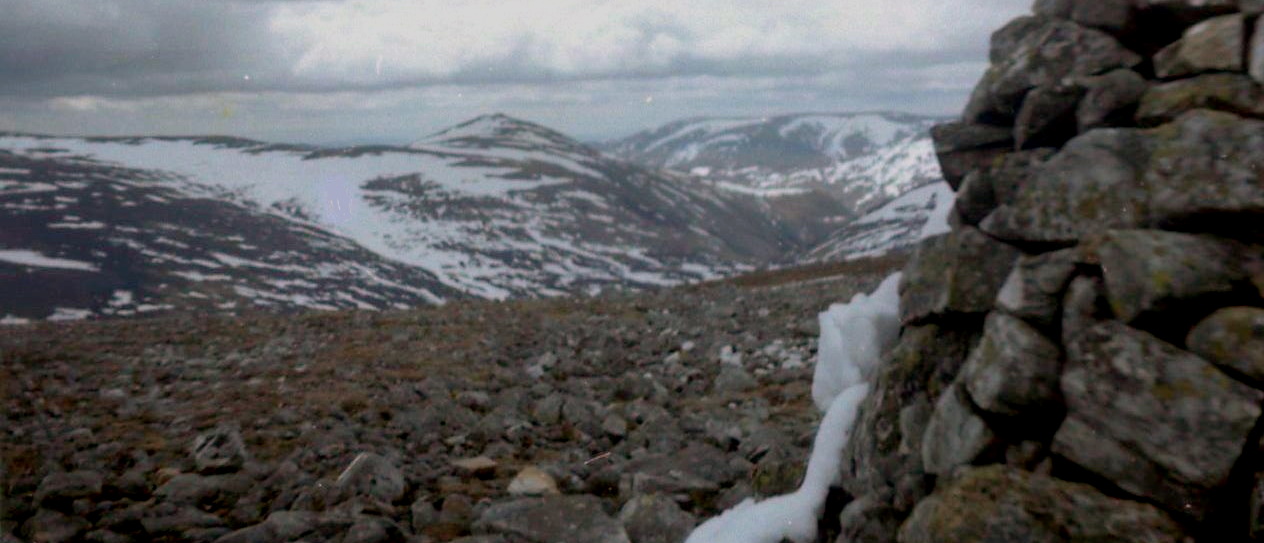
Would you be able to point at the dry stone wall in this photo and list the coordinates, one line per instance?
(1082, 357)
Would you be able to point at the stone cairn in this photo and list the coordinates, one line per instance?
(1082, 357)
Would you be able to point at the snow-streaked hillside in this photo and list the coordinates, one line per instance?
(860, 159)
(492, 208)
(899, 224)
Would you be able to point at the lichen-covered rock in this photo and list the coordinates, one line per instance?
(955, 435)
(1233, 93)
(1033, 291)
(1091, 185)
(985, 188)
(1156, 421)
(1199, 172)
(962, 147)
(1149, 270)
(1232, 338)
(1047, 116)
(886, 443)
(1212, 45)
(1014, 371)
(655, 518)
(1045, 52)
(997, 503)
(958, 272)
(1188, 11)
(552, 519)
(372, 476)
(1110, 99)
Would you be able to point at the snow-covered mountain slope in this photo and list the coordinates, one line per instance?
(899, 224)
(492, 208)
(860, 159)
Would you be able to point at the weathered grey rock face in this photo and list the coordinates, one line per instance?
(1040, 53)
(1047, 117)
(1211, 45)
(955, 435)
(1205, 163)
(1091, 185)
(886, 445)
(1033, 291)
(1232, 338)
(1233, 93)
(1128, 390)
(1110, 99)
(870, 520)
(998, 503)
(1014, 371)
(1114, 16)
(551, 519)
(986, 188)
(1149, 270)
(959, 272)
(961, 147)
(1189, 11)
(61, 488)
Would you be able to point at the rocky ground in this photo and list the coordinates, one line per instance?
(624, 417)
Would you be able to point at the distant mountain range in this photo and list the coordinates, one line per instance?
(492, 208)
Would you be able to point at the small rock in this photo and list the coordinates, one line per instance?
(481, 467)
(280, 527)
(48, 526)
(1033, 291)
(1256, 53)
(1110, 99)
(870, 520)
(733, 380)
(374, 530)
(423, 513)
(1232, 93)
(1047, 117)
(177, 520)
(615, 426)
(963, 147)
(370, 475)
(61, 488)
(552, 519)
(219, 450)
(655, 518)
(532, 481)
(457, 509)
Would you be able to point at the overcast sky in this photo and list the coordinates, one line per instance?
(330, 71)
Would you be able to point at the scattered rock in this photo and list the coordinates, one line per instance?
(655, 518)
(1232, 338)
(615, 426)
(998, 503)
(532, 481)
(481, 467)
(219, 450)
(48, 526)
(1134, 401)
(870, 520)
(372, 476)
(279, 527)
(552, 519)
(733, 380)
(59, 489)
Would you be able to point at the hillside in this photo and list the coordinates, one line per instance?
(493, 208)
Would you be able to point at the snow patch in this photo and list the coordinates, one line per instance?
(860, 331)
(26, 257)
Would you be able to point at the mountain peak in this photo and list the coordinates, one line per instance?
(500, 130)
